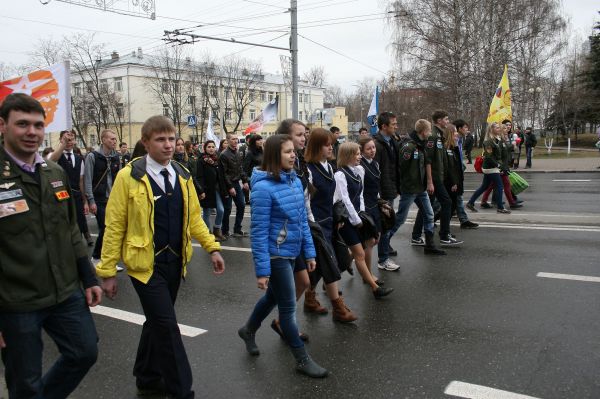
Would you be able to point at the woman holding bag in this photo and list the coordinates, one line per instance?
(349, 189)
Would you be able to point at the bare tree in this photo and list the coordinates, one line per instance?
(229, 87)
(315, 76)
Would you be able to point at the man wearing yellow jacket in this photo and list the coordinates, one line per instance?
(151, 217)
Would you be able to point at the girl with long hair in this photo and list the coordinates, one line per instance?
(212, 181)
(349, 189)
(322, 189)
(280, 233)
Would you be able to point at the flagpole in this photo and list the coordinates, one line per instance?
(294, 52)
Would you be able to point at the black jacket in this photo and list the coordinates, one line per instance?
(455, 173)
(231, 163)
(211, 179)
(387, 158)
(469, 142)
(253, 157)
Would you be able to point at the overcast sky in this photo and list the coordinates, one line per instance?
(355, 29)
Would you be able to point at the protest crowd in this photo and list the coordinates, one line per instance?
(318, 208)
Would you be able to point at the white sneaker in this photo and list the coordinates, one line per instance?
(120, 268)
(388, 265)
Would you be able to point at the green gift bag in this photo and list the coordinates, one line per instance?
(518, 184)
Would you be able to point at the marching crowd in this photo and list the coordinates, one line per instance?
(318, 208)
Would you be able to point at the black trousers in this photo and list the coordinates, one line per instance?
(161, 354)
(100, 216)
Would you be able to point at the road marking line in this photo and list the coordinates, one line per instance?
(569, 277)
(139, 319)
(472, 391)
(572, 180)
(556, 227)
(240, 249)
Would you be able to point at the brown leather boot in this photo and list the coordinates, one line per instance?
(311, 303)
(218, 235)
(341, 312)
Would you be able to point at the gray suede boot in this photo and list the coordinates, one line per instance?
(307, 366)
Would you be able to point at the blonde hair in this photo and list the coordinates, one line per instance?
(422, 125)
(449, 136)
(489, 132)
(346, 153)
(157, 124)
(105, 132)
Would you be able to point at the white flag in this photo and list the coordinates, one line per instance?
(210, 131)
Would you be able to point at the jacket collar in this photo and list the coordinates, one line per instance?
(138, 168)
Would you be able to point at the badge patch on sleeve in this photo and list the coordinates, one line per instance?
(430, 144)
(57, 184)
(62, 195)
(13, 208)
(406, 155)
(4, 195)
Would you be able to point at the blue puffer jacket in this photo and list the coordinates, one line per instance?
(278, 223)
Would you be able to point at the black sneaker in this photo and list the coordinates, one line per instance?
(503, 211)
(516, 206)
(240, 234)
(469, 225)
(418, 242)
(471, 207)
(380, 292)
(450, 241)
(485, 205)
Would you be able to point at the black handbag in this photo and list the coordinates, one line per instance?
(340, 213)
(388, 216)
(368, 229)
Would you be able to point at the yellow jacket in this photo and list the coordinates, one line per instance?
(129, 233)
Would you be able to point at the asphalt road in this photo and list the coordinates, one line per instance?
(479, 315)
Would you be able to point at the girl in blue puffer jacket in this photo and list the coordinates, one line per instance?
(280, 233)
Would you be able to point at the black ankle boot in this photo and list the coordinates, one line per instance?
(248, 338)
(430, 248)
(307, 366)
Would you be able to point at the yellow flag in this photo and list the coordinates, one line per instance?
(500, 108)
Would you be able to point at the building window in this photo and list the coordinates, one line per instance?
(105, 111)
(228, 114)
(252, 114)
(228, 92)
(300, 115)
(191, 100)
(205, 90)
(306, 97)
(300, 97)
(165, 86)
(214, 92)
(176, 87)
(204, 113)
(91, 113)
(78, 113)
(119, 109)
(77, 89)
(166, 110)
(263, 96)
(90, 86)
(252, 95)
(240, 93)
(271, 96)
(118, 84)
(103, 85)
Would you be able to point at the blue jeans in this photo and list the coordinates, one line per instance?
(281, 292)
(460, 210)
(406, 200)
(240, 205)
(529, 151)
(220, 211)
(71, 327)
(491, 178)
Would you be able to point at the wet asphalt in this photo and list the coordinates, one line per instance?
(478, 315)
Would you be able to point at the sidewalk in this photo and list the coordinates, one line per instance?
(560, 165)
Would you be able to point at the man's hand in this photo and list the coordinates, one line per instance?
(311, 265)
(245, 187)
(232, 192)
(217, 262)
(93, 296)
(109, 286)
(263, 282)
(430, 188)
(93, 208)
(86, 208)
(2, 343)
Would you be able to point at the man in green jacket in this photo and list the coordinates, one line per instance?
(44, 263)
(415, 182)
